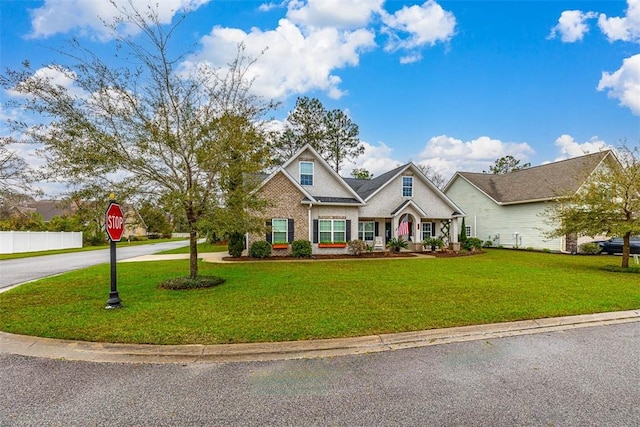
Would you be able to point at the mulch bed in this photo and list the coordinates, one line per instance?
(380, 255)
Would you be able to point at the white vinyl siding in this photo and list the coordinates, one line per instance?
(490, 221)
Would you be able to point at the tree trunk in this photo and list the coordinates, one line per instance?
(193, 253)
(626, 249)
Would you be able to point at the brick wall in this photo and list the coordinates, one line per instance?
(285, 201)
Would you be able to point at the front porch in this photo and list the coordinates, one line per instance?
(410, 227)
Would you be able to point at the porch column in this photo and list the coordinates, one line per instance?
(455, 227)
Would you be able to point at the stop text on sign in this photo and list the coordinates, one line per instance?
(115, 222)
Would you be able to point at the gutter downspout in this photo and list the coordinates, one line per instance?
(310, 223)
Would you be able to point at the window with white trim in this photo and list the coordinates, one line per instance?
(332, 230)
(306, 173)
(468, 230)
(279, 230)
(366, 230)
(407, 186)
(428, 230)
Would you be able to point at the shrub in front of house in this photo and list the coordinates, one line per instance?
(356, 247)
(236, 244)
(94, 239)
(472, 243)
(433, 243)
(488, 244)
(260, 249)
(397, 243)
(590, 248)
(301, 248)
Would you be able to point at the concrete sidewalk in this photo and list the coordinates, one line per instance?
(139, 353)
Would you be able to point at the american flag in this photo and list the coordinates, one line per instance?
(403, 229)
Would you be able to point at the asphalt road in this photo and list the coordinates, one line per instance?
(26, 269)
(581, 377)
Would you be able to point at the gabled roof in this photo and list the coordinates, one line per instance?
(539, 183)
(367, 188)
(308, 197)
(406, 203)
(280, 169)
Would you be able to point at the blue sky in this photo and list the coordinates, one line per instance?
(449, 84)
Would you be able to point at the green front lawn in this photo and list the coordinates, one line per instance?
(281, 300)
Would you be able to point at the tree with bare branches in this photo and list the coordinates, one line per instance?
(149, 125)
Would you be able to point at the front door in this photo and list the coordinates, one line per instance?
(387, 232)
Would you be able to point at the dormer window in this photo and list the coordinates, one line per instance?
(407, 186)
(306, 173)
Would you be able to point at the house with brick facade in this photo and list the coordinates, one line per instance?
(310, 201)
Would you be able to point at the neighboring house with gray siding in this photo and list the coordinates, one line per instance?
(509, 209)
(310, 201)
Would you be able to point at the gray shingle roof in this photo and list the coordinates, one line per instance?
(366, 187)
(544, 182)
(330, 199)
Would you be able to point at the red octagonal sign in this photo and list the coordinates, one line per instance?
(114, 222)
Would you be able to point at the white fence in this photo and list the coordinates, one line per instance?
(180, 235)
(12, 242)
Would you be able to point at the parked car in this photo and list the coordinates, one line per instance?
(614, 246)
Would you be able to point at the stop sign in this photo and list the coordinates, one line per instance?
(114, 222)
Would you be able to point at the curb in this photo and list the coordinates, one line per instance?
(186, 354)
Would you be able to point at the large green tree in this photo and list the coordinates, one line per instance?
(341, 141)
(609, 203)
(361, 173)
(148, 125)
(155, 218)
(507, 164)
(331, 133)
(305, 124)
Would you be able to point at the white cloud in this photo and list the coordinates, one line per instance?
(572, 25)
(333, 13)
(624, 84)
(626, 28)
(376, 159)
(569, 147)
(414, 27)
(56, 77)
(85, 16)
(447, 155)
(266, 7)
(301, 55)
(294, 61)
